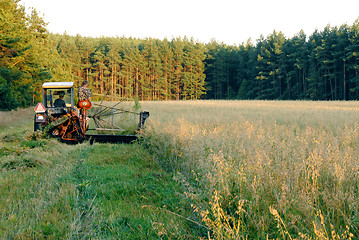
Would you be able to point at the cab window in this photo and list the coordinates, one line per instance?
(54, 96)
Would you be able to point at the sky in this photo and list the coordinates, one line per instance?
(229, 21)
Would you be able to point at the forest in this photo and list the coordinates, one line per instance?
(320, 66)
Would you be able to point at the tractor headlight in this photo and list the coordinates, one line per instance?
(39, 118)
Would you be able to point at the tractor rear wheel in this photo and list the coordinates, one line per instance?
(37, 126)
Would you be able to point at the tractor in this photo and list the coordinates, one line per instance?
(58, 115)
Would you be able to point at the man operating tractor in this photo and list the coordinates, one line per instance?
(60, 103)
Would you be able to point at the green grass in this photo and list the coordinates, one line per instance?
(243, 169)
(123, 193)
(50, 190)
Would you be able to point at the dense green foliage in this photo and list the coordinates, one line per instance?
(322, 66)
(147, 69)
(23, 45)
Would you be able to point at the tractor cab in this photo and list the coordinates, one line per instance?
(57, 97)
(57, 101)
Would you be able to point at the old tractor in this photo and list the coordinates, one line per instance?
(58, 115)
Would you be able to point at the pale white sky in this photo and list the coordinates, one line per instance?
(228, 21)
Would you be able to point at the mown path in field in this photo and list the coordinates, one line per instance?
(53, 190)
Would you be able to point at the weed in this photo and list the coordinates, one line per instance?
(205, 169)
(279, 162)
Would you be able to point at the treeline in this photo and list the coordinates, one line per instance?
(322, 66)
(23, 47)
(147, 69)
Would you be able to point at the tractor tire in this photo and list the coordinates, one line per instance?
(37, 126)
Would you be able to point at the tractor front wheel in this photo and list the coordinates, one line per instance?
(37, 126)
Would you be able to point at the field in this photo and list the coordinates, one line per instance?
(204, 169)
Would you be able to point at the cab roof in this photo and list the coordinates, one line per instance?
(58, 85)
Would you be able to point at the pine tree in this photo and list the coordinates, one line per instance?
(352, 61)
(176, 86)
(23, 54)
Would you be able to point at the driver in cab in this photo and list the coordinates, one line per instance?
(60, 103)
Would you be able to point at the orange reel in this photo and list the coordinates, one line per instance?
(84, 104)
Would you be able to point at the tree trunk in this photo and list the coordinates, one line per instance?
(344, 92)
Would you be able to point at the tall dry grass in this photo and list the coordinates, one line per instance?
(263, 169)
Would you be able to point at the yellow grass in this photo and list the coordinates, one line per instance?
(250, 169)
(263, 169)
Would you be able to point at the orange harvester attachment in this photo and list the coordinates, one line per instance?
(58, 115)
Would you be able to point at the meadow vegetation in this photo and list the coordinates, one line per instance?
(203, 170)
(263, 169)
(52, 190)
